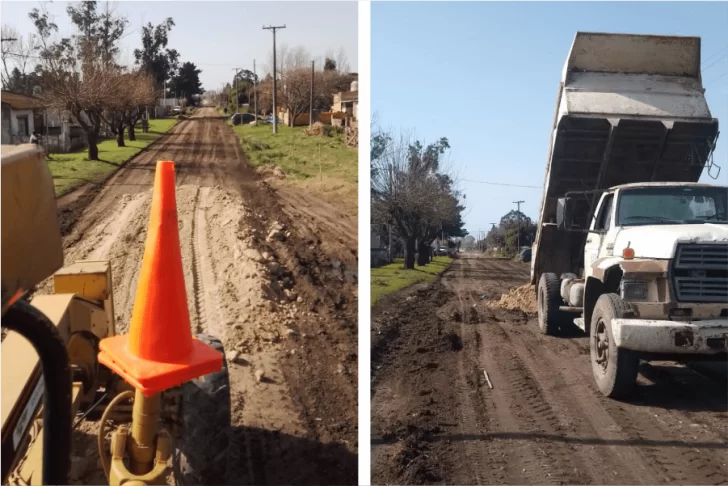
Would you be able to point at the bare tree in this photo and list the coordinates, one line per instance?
(18, 58)
(79, 74)
(410, 190)
(137, 90)
(342, 61)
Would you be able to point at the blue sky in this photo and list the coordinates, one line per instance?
(219, 36)
(486, 75)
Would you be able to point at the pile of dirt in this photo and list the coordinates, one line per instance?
(271, 171)
(520, 298)
(318, 129)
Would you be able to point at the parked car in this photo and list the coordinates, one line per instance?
(176, 110)
(269, 120)
(243, 118)
(441, 251)
(525, 255)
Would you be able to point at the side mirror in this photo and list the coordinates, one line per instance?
(563, 213)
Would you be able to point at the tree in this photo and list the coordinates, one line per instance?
(329, 64)
(21, 83)
(154, 57)
(468, 242)
(79, 74)
(514, 227)
(18, 51)
(242, 87)
(137, 91)
(187, 82)
(410, 190)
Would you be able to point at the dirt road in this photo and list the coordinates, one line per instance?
(436, 420)
(276, 283)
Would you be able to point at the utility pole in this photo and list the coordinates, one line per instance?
(310, 103)
(518, 227)
(237, 94)
(275, 81)
(255, 92)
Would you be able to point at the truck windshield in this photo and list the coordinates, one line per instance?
(672, 205)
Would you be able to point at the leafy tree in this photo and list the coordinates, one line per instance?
(22, 83)
(154, 56)
(187, 82)
(329, 64)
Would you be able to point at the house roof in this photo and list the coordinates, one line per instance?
(19, 101)
(349, 96)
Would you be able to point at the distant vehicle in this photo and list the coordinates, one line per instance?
(525, 255)
(441, 251)
(269, 120)
(244, 118)
(176, 110)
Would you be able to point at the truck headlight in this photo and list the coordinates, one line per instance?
(634, 290)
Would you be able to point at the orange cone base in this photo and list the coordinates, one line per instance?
(151, 377)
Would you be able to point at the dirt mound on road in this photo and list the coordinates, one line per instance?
(271, 171)
(521, 298)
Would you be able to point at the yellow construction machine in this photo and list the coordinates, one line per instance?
(52, 378)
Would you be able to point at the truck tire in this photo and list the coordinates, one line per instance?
(615, 369)
(549, 301)
(205, 410)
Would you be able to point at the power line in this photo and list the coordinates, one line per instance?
(715, 53)
(501, 184)
(715, 62)
(719, 77)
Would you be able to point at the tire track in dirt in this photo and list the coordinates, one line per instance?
(612, 422)
(296, 423)
(519, 407)
(544, 421)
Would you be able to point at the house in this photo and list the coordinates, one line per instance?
(165, 106)
(347, 102)
(61, 133)
(19, 114)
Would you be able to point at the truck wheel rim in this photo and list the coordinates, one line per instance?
(601, 345)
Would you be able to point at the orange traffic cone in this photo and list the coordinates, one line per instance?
(159, 352)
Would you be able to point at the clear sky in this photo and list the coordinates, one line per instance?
(219, 36)
(486, 76)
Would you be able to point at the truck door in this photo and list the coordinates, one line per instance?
(595, 240)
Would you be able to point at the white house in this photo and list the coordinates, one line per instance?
(18, 116)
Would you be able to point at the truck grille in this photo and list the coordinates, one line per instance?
(701, 273)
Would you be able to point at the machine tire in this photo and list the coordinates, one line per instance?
(549, 301)
(618, 377)
(205, 410)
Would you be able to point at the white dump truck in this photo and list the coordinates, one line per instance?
(629, 247)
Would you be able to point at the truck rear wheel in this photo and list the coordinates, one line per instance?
(549, 301)
(615, 369)
(203, 444)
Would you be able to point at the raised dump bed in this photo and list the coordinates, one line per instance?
(630, 108)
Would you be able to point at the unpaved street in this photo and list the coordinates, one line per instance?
(436, 420)
(277, 283)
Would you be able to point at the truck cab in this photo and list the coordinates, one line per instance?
(630, 248)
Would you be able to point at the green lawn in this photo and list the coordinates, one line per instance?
(393, 277)
(320, 163)
(74, 169)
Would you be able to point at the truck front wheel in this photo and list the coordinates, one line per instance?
(549, 301)
(615, 369)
